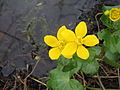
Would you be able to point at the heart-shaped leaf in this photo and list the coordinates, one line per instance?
(61, 81)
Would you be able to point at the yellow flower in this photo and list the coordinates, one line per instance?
(114, 14)
(58, 44)
(77, 41)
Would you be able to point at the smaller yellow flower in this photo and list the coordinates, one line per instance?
(58, 44)
(114, 14)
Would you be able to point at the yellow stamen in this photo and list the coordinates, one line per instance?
(61, 44)
(79, 41)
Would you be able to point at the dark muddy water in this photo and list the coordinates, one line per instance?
(25, 22)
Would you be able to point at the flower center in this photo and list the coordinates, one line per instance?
(115, 14)
(61, 44)
(79, 41)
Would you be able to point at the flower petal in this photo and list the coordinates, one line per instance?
(62, 28)
(69, 50)
(82, 52)
(54, 53)
(90, 40)
(81, 29)
(51, 41)
(114, 14)
(70, 56)
(68, 35)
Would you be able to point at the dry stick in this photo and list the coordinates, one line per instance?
(118, 77)
(38, 81)
(83, 80)
(104, 70)
(15, 83)
(47, 89)
(97, 20)
(14, 87)
(101, 82)
(25, 80)
(18, 77)
(81, 77)
(97, 82)
(43, 78)
(5, 86)
(106, 76)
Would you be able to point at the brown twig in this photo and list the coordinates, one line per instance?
(47, 89)
(97, 20)
(118, 77)
(19, 78)
(79, 76)
(43, 78)
(25, 80)
(101, 84)
(83, 80)
(5, 86)
(104, 70)
(97, 82)
(38, 81)
(106, 76)
(15, 83)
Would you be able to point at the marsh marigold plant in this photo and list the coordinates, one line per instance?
(68, 42)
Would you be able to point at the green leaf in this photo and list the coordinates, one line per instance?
(116, 33)
(117, 38)
(90, 67)
(110, 7)
(104, 34)
(111, 40)
(111, 62)
(61, 81)
(72, 67)
(62, 61)
(106, 21)
(111, 56)
(97, 50)
(110, 43)
(68, 65)
(116, 25)
(118, 47)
